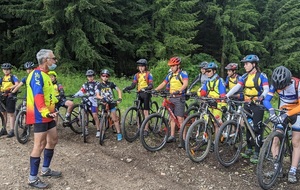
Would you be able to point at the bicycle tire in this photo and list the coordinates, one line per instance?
(131, 124)
(194, 104)
(103, 127)
(22, 130)
(191, 118)
(74, 120)
(198, 141)
(83, 123)
(228, 143)
(157, 133)
(154, 107)
(266, 171)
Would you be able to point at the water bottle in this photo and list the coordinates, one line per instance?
(250, 121)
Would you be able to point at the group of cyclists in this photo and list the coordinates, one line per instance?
(253, 86)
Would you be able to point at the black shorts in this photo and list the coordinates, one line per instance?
(43, 127)
(10, 104)
(145, 100)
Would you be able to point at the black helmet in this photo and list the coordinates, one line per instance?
(142, 62)
(6, 66)
(105, 71)
(90, 73)
(203, 64)
(250, 58)
(29, 65)
(281, 77)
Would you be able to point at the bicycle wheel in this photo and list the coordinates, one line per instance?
(22, 130)
(157, 133)
(194, 104)
(74, 120)
(83, 123)
(191, 118)
(131, 124)
(198, 141)
(153, 107)
(103, 127)
(228, 143)
(269, 165)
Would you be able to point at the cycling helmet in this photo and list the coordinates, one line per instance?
(211, 65)
(52, 73)
(281, 77)
(6, 66)
(29, 65)
(232, 66)
(90, 73)
(174, 61)
(203, 64)
(105, 71)
(250, 58)
(142, 62)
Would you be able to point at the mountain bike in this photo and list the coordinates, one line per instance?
(199, 137)
(133, 117)
(23, 130)
(106, 121)
(231, 136)
(158, 124)
(271, 160)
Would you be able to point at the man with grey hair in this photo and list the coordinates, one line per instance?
(40, 113)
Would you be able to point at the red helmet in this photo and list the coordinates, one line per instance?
(232, 66)
(174, 61)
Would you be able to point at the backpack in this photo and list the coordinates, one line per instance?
(147, 76)
(178, 77)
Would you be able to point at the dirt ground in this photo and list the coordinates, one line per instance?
(123, 165)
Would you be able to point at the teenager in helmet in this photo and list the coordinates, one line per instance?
(288, 90)
(28, 66)
(105, 92)
(8, 82)
(89, 88)
(201, 77)
(256, 87)
(178, 80)
(144, 81)
(232, 79)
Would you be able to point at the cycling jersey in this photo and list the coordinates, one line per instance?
(90, 89)
(41, 98)
(105, 90)
(7, 82)
(214, 87)
(175, 80)
(200, 79)
(142, 80)
(247, 81)
(231, 82)
(289, 98)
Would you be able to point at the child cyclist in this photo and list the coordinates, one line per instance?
(288, 90)
(60, 94)
(256, 87)
(232, 79)
(201, 77)
(8, 82)
(178, 81)
(28, 66)
(214, 87)
(144, 81)
(105, 93)
(89, 88)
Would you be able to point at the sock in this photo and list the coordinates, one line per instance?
(48, 154)
(293, 170)
(34, 167)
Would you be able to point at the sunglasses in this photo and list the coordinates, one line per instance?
(105, 76)
(208, 71)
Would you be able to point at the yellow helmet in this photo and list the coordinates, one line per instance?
(52, 73)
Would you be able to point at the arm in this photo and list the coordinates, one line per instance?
(17, 87)
(233, 90)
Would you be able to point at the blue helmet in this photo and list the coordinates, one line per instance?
(6, 66)
(250, 58)
(29, 65)
(211, 65)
